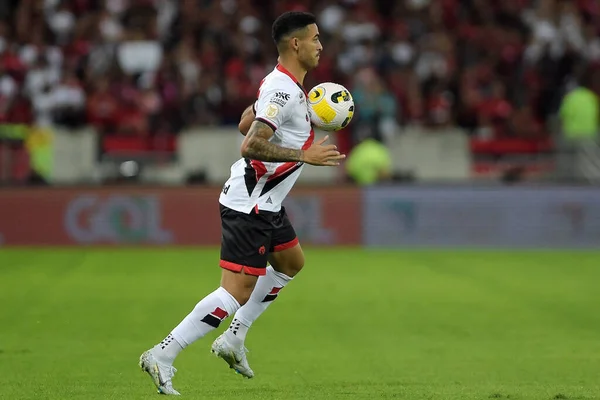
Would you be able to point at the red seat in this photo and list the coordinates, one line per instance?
(510, 146)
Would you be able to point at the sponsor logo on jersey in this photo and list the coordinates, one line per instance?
(283, 96)
(280, 98)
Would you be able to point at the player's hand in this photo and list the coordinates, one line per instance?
(319, 154)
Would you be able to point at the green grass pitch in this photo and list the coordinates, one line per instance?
(355, 324)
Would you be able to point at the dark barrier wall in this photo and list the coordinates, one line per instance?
(482, 217)
(161, 216)
(386, 216)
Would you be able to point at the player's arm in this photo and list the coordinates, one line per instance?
(246, 119)
(274, 107)
(257, 146)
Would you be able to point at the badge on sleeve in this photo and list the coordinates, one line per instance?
(272, 111)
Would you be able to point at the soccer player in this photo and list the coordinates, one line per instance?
(255, 227)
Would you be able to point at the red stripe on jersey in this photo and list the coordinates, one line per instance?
(259, 168)
(259, 86)
(220, 313)
(310, 140)
(283, 168)
(281, 68)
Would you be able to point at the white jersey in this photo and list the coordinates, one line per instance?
(258, 185)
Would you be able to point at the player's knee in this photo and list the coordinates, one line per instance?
(240, 292)
(239, 285)
(291, 266)
(242, 296)
(296, 266)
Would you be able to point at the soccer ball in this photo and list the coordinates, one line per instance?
(331, 106)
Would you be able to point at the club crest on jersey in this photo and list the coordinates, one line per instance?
(214, 318)
(272, 111)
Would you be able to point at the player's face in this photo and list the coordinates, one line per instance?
(310, 48)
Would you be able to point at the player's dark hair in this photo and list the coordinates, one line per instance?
(289, 22)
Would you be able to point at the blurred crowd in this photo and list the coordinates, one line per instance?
(139, 67)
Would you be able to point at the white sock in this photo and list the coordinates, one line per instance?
(265, 292)
(206, 316)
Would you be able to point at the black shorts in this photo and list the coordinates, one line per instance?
(248, 239)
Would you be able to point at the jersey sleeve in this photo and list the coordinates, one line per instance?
(274, 106)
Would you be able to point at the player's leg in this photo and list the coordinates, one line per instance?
(235, 290)
(287, 259)
(204, 317)
(242, 262)
(285, 264)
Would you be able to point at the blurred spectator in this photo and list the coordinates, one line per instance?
(102, 106)
(494, 110)
(497, 69)
(8, 91)
(580, 128)
(68, 102)
(580, 112)
(369, 163)
(523, 124)
(377, 105)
